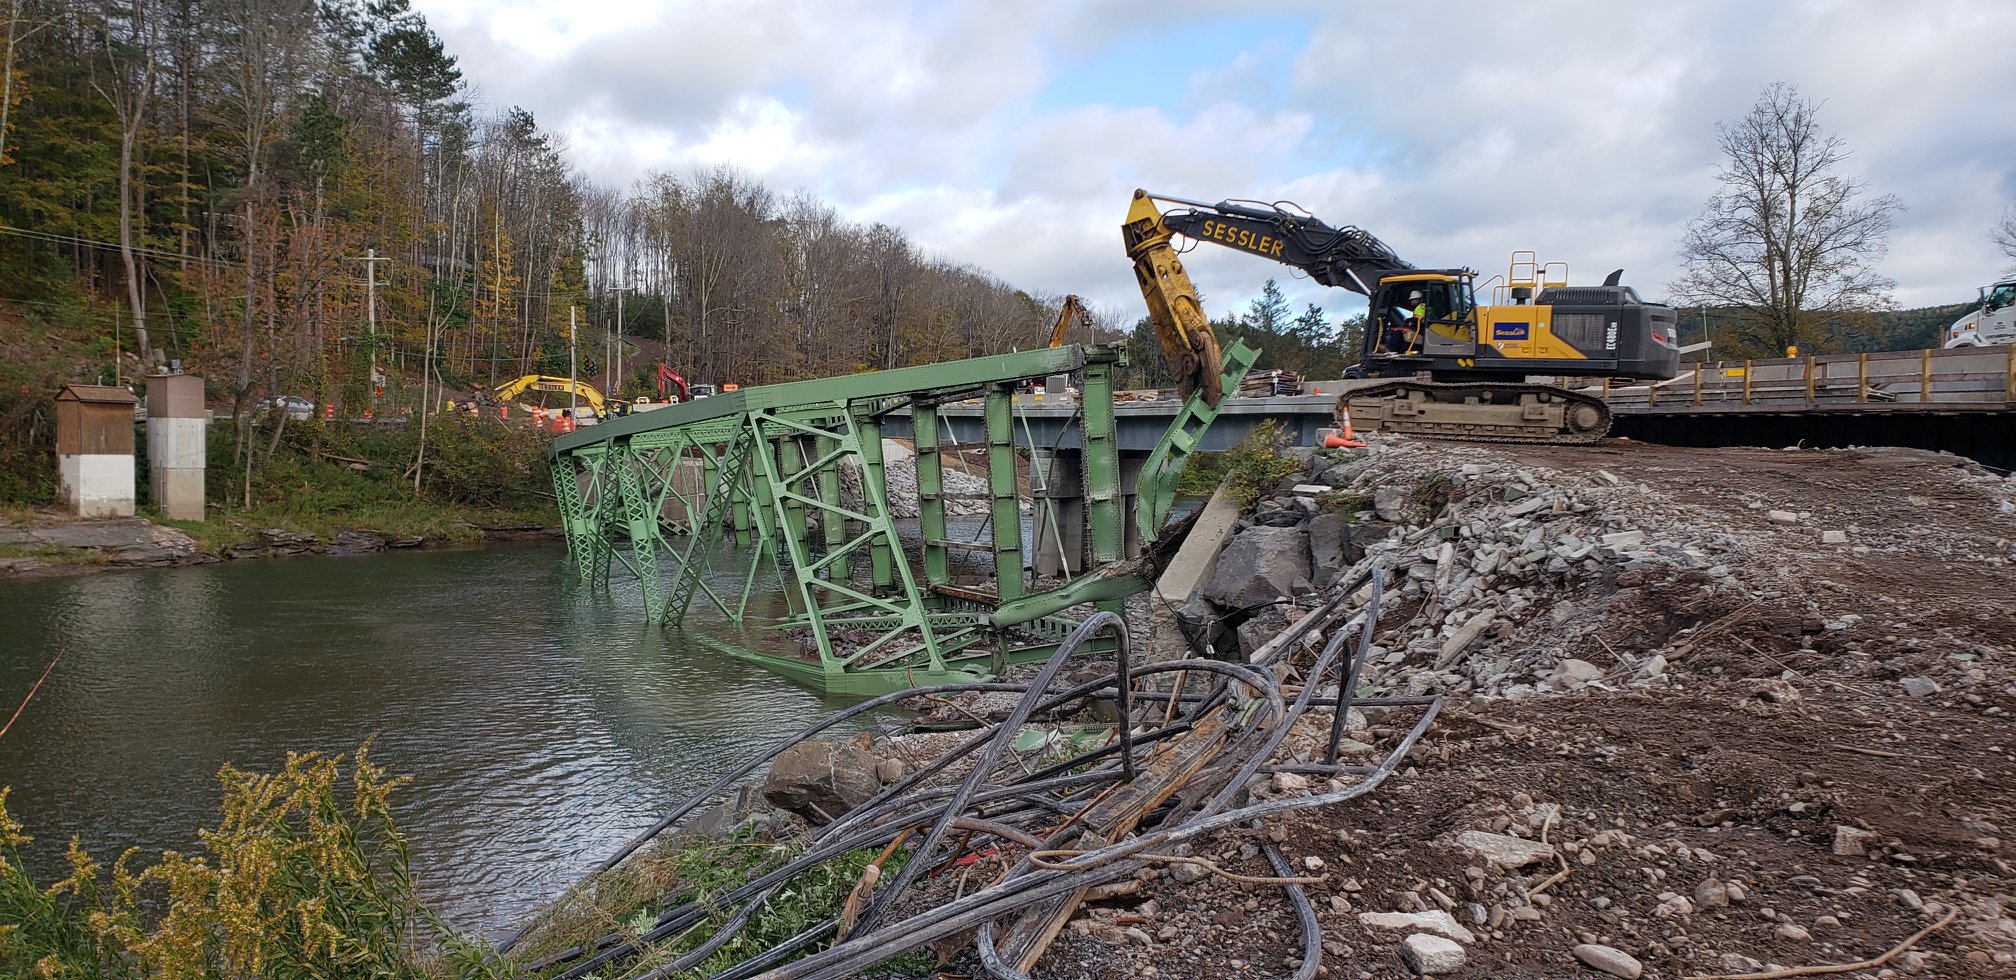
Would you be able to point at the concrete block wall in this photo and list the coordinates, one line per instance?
(96, 484)
(175, 463)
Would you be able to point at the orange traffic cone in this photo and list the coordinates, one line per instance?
(1349, 439)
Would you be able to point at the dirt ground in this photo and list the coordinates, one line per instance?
(1823, 769)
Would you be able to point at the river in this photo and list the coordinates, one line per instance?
(542, 728)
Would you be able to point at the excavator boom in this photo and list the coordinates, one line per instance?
(516, 388)
(1349, 257)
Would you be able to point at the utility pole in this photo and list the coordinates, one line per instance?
(672, 287)
(609, 358)
(371, 260)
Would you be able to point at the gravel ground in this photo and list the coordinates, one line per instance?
(1746, 709)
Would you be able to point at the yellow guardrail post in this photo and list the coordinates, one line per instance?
(1811, 362)
(1746, 381)
(1925, 376)
(1697, 380)
(2009, 376)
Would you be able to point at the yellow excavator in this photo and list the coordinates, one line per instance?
(518, 389)
(1435, 363)
(1074, 311)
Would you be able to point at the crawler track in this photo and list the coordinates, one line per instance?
(1479, 412)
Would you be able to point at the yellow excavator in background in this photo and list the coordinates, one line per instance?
(1438, 364)
(519, 388)
(1074, 310)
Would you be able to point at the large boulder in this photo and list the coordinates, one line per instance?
(1260, 565)
(742, 810)
(820, 781)
(1254, 633)
(1332, 547)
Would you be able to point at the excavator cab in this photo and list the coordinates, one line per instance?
(1422, 315)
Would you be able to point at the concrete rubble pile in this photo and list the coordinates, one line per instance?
(1522, 580)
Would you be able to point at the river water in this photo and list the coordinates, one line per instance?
(542, 727)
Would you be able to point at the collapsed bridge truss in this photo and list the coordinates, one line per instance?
(662, 494)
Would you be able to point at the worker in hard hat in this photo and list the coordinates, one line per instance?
(1403, 330)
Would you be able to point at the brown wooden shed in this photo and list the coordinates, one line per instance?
(94, 420)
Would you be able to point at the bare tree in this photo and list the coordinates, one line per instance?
(129, 35)
(1787, 239)
(2004, 233)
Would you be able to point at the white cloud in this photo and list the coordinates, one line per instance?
(1006, 134)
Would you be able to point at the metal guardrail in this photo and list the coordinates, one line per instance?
(1980, 377)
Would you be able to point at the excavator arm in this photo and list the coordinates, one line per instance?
(1349, 257)
(1073, 310)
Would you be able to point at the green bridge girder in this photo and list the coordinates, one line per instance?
(662, 494)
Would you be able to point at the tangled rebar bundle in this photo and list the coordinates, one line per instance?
(1194, 736)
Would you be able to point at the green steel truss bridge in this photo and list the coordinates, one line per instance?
(661, 494)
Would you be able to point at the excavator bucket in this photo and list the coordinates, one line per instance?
(1181, 327)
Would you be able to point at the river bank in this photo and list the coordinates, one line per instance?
(45, 543)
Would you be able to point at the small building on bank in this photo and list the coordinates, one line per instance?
(94, 450)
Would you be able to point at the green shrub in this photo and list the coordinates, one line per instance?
(1255, 466)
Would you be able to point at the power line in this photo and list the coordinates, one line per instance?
(108, 246)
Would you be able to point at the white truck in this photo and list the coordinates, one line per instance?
(1993, 322)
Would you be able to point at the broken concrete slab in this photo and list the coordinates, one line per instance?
(1186, 574)
(1502, 850)
(1434, 920)
(1465, 635)
(1431, 956)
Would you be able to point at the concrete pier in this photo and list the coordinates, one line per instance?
(177, 445)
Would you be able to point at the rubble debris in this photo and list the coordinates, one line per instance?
(1731, 708)
(1431, 956)
(1050, 818)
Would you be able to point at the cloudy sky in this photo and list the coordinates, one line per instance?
(1010, 133)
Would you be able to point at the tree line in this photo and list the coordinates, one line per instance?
(287, 194)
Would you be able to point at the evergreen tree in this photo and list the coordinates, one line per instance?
(1268, 315)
